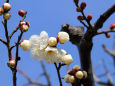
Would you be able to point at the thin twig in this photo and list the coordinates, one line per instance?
(29, 79)
(84, 24)
(85, 18)
(45, 73)
(3, 41)
(112, 53)
(105, 31)
(59, 77)
(15, 30)
(15, 70)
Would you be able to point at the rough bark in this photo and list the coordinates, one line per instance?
(85, 48)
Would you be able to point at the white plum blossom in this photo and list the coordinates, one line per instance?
(43, 47)
(39, 43)
(37, 54)
(53, 55)
(63, 37)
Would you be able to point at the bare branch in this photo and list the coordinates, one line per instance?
(84, 24)
(106, 31)
(29, 79)
(15, 30)
(112, 53)
(3, 41)
(45, 73)
(99, 23)
(59, 77)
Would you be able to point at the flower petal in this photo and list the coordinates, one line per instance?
(43, 40)
(35, 40)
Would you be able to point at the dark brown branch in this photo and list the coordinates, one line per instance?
(7, 38)
(45, 73)
(7, 1)
(15, 30)
(29, 79)
(88, 22)
(14, 71)
(99, 23)
(59, 77)
(84, 24)
(106, 31)
(3, 41)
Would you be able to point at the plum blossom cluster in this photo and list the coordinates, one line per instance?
(44, 47)
(75, 73)
(4, 10)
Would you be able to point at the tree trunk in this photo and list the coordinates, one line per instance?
(85, 48)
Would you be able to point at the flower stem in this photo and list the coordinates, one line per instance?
(59, 77)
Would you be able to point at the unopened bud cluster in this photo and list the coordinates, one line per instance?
(4, 10)
(75, 73)
(80, 9)
(24, 26)
(112, 27)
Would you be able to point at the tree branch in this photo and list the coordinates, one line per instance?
(99, 23)
(3, 41)
(45, 73)
(15, 30)
(29, 79)
(59, 77)
(106, 31)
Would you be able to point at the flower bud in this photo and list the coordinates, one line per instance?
(107, 35)
(80, 18)
(112, 26)
(66, 78)
(11, 63)
(83, 5)
(67, 59)
(89, 17)
(84, 74)
(63, 37)
(6, 16)
(25, 45)
(21, 13)
(24, 28)
(76, 67)
(6, 6)
(22, 23)
(52, 41)
(79, 74)
(1, 11)
(71, 79)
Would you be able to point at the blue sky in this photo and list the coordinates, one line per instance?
(49, 15)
